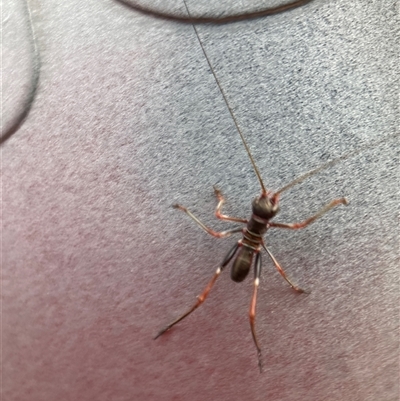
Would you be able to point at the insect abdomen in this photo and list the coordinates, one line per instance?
(242, 263)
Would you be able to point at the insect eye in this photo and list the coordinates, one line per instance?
(275, 199)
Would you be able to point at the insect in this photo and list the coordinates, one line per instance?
(247, 251)
(264, 208)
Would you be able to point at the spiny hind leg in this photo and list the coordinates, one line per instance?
(202, 297)
(218, 213)
(252, 312)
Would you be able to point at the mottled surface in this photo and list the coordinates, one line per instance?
(127, 121)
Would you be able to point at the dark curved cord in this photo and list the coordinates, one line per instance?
(27, 104)
(218, 19)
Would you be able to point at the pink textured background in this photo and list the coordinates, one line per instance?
(127, 121)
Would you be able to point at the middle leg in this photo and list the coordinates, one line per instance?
(281, 271)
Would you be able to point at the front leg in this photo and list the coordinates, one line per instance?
(217, 234)
(296, 226)
(218, 213)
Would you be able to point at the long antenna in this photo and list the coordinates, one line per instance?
(264, 191)
(335, 161)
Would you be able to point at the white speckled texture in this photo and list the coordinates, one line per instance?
(127, 121)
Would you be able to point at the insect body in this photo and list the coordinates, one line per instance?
(264, 208)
